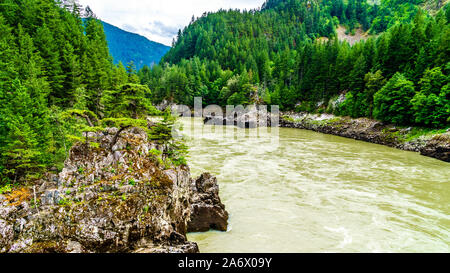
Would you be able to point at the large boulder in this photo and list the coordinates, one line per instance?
(208, 212)
(250, 117)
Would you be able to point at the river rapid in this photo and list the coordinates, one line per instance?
(292, 190)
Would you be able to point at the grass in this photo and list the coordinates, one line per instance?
(418, 132)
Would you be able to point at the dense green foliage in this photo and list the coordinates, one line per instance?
(130, 100)
(278, 55)
(57, 83)
(128, 47)
(431, 105)
(393, 102)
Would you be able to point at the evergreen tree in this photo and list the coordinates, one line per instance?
(49, 61)
(430, 105)
(357, 75)
(24, 148)
(131, 100)
(374, 82)
(98, 65)
(393, 102)
(49, 52)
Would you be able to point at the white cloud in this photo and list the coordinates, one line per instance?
(159, 20)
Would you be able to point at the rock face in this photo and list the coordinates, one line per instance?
(208, 212)
(106, 199)
(370, 131)
(438, 147)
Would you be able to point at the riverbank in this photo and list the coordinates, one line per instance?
(431, 143)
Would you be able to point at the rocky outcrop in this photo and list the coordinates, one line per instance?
(163, 105)
(370, 131)
(208, 212)
(251, 117)
(116, 196)
(438, 147)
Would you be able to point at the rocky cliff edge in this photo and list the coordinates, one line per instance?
(115, 197)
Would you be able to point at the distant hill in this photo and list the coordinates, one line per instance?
(126, 46)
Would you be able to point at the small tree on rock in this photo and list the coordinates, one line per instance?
(130, 100)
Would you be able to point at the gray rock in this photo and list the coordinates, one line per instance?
(251, 117)
(74, 247)
(6, 234)
(50, 197)
(7, 211)
(208, 212)
(94, 207)
(370, 131)
(438, 147)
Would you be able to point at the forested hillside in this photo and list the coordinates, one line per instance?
(129, 47)
(57, 83)
(273, 55)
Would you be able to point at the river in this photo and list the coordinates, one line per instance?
(303, 191)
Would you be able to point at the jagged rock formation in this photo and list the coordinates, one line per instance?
(208, 212)
(252, 117)
(438, 147)
(116, 197)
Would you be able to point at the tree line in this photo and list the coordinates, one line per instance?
(278, 55)
(57, 84)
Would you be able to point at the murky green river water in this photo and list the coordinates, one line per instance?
(320, 193)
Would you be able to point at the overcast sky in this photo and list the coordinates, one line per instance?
(159, 20)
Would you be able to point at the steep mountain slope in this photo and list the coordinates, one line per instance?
(125, 46)
(281, 24)
(278, 55)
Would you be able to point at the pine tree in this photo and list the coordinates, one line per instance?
(8, 51)
(119, 76)
(49, 52)
(399, 51)
(71, 68)
(373, 83)
(23, 152)
(430, 105)
(357, 75)
(393, 102)
(98, 64)
(131, 100)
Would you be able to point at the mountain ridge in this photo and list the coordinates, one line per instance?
(126, 46)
